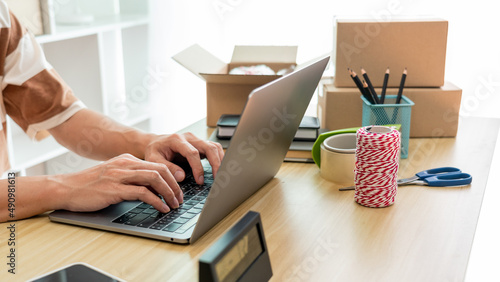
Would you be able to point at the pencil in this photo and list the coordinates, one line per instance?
(356, 81)
(370, 86)
(384, 86)
(401, 86)
(367, 94)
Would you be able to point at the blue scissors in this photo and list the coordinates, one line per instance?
(436, 177)
(439, 177)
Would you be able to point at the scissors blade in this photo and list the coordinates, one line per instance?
(347, 188)
(407, 181)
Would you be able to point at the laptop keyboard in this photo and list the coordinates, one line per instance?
(178, 220)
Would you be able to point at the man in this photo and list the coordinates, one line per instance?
(139, 166)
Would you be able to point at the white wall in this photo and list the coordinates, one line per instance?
(473, 53)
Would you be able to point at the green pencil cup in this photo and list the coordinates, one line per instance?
(390, 113)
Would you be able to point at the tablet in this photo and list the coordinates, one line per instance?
(77, 272)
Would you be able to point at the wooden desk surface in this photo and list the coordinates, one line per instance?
(314, 232)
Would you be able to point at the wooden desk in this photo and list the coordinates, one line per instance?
(313, 231)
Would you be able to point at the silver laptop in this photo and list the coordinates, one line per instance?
(265, 131)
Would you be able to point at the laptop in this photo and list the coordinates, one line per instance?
(268, 123)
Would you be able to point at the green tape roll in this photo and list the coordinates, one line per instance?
(316, 149)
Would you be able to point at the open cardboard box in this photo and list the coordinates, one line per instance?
(228, 93)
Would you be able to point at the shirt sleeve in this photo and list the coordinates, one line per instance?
(34, 95)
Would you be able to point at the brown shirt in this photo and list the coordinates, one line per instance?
(32, 93)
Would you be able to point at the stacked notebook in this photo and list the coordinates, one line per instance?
(300, 149)
(308, 129)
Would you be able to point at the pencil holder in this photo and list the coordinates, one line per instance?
(390, 113)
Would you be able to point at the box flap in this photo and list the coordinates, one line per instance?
(393, 19)
(198, 60)
(262, 54)
(238, 79)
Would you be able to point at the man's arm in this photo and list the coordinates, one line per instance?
(96, 136)
(122, 178)
(141, 171)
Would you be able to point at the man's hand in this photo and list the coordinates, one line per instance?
(122, 178)
(165, 148)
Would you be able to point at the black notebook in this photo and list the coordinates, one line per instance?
(308, 128)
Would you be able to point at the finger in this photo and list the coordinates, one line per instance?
(161, 166)
(220, 154)
(212, 150)
(176, 174)
(174, 169)
(192, 155)
(154, 179)
(171, 173)
(133, 192)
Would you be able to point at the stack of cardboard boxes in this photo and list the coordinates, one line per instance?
(418, 45)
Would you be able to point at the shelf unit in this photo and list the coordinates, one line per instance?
(105, 62)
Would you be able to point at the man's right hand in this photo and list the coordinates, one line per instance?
(119, 179)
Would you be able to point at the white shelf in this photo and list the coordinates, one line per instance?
(105, 63)
(101, 24)
(28, 153)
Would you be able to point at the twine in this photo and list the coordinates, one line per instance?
(377, 164)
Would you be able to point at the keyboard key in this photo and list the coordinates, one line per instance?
(192, 202)
(144, 206)
(172, 227)
(136, 219)
(123, 218)
(198, 198)
(188, 225)
(188, 215)
(147, 222)
(150, 211)
(182, 209)
(195, 210)
(136, 210)
(181, 220)
(186, 206)
(158, 226)
(167, 219)
(191, 193)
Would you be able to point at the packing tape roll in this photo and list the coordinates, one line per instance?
(338, 158)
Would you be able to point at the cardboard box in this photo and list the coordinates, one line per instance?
(228, 93)
(435, 113)
(419, 45)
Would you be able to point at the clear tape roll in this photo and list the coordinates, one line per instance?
(337, 158)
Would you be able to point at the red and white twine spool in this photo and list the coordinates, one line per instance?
(377, 163)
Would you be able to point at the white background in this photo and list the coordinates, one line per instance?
(472, 61)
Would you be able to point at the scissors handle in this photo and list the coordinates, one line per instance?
(451, 179)
(436, 171)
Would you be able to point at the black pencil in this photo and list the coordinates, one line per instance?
(370, 86)
(384, 86)
(401, 86)
(367, 94)
(356, 81)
